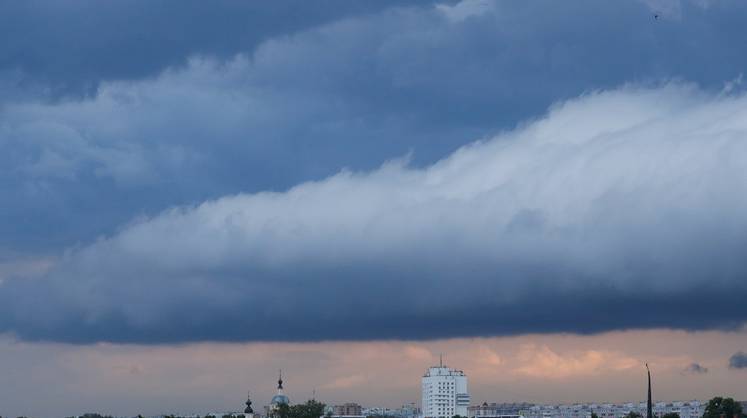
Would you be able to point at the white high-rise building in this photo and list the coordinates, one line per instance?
(444, 392)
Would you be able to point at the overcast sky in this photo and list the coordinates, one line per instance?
(326, 176)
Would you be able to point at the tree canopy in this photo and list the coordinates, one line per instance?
(310, 409)
(719, 407)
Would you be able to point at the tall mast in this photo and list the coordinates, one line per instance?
(649, 405)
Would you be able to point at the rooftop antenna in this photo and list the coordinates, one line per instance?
(440, 360)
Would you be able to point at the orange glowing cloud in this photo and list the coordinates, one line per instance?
(542, 362)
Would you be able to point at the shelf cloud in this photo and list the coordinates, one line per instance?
(95, 129)
(620, 209)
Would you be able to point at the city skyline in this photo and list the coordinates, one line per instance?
(543, 369)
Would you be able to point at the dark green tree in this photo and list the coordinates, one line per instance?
(310, 409)
(719, 407)
(670, 415)
(282, 411)
(633, 414)
(594, 415)
(94, 415)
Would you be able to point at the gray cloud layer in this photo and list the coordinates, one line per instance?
(622, 209)
(695, 368)
(738, 361)
(54, 50)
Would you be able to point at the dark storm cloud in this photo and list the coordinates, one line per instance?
(625, 209)
(114, 112)
(738, 361)
(695, 368)
(52, 49)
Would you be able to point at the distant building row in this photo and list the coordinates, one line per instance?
(445, 394)
(685, 409)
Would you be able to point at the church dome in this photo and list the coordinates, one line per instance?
(280, 398)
